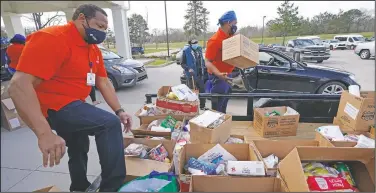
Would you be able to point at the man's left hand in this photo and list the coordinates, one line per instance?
(126, 119)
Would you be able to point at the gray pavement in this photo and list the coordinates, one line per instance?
(21, 160)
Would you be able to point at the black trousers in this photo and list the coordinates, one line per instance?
(92, 94)
(74, 123)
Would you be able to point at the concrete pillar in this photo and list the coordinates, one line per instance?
(121, 29)
(69, 13)
(13, 25)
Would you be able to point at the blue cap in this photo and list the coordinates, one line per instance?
(227, 17)
(18, 38)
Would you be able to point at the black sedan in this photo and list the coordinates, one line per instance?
(279, 73)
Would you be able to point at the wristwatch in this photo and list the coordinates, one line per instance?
(121, 110)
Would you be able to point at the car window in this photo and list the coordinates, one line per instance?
(108, 55)
(304, 42)
(351, 40)
(316, 41)
(334, 41)
(342, 39)
(272, 59)
(358, 39)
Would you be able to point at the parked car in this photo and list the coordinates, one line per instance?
(138, 50)
(350, 41)
(365, 50)
(316, 40)
(122, 72)
(279, 73)
(370, 39)
(308, 50)
(335, 44)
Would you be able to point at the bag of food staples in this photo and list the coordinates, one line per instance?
(316, 183)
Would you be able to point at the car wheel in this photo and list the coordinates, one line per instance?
(332, 88)
(113, 82)
(364, 54)
(320, 61)
(331, 47)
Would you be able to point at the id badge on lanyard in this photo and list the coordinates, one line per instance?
(90, 79)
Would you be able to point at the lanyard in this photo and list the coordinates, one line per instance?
(90, 63)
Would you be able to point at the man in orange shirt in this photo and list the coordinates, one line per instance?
(14, 51)
(220, 72)
(57, 69)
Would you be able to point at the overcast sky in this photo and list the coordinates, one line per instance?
(248, 12)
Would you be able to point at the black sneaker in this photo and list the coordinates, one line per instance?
(204, 108)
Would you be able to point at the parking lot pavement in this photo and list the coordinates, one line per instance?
(21, 159)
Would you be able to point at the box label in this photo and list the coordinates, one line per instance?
(14, 123)
(351, 111)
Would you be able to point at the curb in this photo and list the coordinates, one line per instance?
(151, 61)
(160, 66)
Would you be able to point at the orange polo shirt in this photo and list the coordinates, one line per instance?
(214, 52)
(60, 56)
(14, 52)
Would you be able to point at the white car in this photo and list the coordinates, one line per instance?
(350, 41)
(316, 40)
(365, 50)
(334, 44)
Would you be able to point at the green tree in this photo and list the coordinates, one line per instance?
(196, 19)
(138, 29)
(288, 20)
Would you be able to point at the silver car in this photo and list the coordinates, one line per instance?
(365, 50)
(123, 72)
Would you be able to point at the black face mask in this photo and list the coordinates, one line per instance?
(94, 36)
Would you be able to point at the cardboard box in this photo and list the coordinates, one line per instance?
(204, 135)
(149, 119)
(142, 130)
(372, 132)
(10, 119)
(4, 90)
(275, 126)
(137, 167)
(189, 108)
(240, 51)
(240, 151)
(343, 127)
(361, 162)
(280, 148)
(234, 184)
(324, 142)
(49, 189)
(357, 112)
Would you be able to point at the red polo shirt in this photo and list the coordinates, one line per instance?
(14, 52)
(214, 52)
(60, 56)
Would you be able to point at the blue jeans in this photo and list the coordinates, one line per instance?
(220, 86)
(11, 70)
(74, 123)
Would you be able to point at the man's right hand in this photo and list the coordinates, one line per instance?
(224, 77)
(52, 148)
(191, 71)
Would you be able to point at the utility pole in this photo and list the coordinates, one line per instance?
(262, 36)
(168, 46)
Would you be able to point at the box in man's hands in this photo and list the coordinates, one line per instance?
(355, 112)
(240, 51)
(285, 124)
(10, 119)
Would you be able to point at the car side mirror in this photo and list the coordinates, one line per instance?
(290, 45)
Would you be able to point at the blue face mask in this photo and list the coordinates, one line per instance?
(233, 29)
(194, 46)
(94, 36)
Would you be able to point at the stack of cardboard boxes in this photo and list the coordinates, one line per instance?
(10, 120)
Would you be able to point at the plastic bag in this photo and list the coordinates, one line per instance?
(271, 161)
(332, 133)
(155, 123)
(327, 183)
(169, 122)
(365, 142)
(154, 182)
(206, 167)
(344, 172)
(158, 153)
(318, 169)
(135, 149)
(233, 140)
